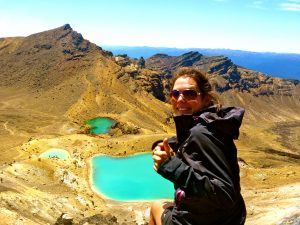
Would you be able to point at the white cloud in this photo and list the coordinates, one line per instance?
(292, 5)
(258, 4)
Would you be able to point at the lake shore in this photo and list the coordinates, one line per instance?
(139, 177)
(265, 189)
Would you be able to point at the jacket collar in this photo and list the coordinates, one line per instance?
(225, 122)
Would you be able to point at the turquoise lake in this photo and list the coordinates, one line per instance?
(100, 125)
(55, 153)
(129, 178)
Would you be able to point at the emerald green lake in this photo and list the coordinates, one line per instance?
(129, 178)
(55, 153)
(100, 125)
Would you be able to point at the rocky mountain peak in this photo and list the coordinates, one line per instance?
(67, 27)
(62, 37)
(39, 52)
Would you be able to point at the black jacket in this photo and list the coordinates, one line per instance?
(206, 168)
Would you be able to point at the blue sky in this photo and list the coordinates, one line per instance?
(252, 25)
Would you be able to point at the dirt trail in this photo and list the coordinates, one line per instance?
(10, 131)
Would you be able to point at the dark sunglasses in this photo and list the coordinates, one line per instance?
(187, 94)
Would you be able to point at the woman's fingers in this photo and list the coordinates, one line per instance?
(161, 152)
(157, 160)
(158, 157)
(167, 147)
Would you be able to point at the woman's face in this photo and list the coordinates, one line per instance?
(189, 104)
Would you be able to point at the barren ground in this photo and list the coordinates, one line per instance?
(35, 190)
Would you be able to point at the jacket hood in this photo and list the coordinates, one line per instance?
(225, 121)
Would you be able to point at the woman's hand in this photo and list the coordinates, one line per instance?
(161, 152)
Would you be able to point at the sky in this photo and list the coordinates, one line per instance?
(250, 25)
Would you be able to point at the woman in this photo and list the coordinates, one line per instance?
(201, 160)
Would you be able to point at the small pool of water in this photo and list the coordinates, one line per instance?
(56, 153)
(100, 125)
(129, 178)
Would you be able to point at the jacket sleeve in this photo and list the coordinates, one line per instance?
(202, 171)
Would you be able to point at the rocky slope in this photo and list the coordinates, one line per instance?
(225, 74)
(51, 82)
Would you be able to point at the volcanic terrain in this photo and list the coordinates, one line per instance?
(53, 81)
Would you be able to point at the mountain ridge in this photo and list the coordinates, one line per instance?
(225, 74)
(283, 65)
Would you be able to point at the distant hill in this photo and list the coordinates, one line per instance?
(273, 64)
(225, 74)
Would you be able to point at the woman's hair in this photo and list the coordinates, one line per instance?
(203, 84)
